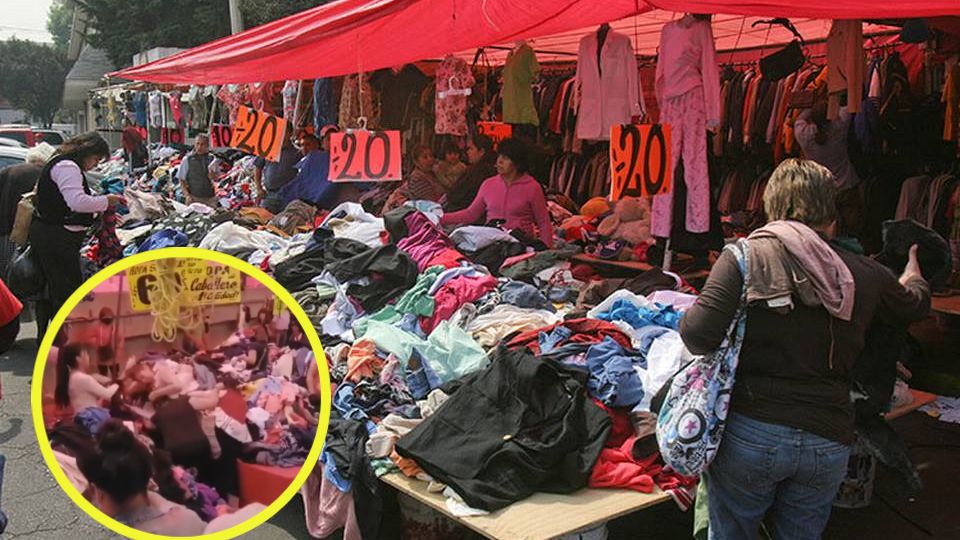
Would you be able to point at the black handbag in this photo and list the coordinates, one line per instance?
(783, 63)
(787, 60)
(25, 277)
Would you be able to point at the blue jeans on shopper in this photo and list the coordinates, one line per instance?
(790, 473)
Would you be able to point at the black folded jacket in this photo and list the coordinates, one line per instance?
(936, 260)
(391, 272)
(296, 272)
(521, 426)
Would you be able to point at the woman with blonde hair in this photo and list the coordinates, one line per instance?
(809, 304)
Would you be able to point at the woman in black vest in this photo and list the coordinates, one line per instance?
(64, 208)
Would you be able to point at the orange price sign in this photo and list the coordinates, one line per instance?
(640, 163)
(497, 131)
(258, 133)
(365, 156)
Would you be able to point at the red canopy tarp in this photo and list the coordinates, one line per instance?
(349, 36)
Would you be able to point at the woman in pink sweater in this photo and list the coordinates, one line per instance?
(512, 196)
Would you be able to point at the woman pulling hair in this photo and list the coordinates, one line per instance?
(119, 470)
(79, 390)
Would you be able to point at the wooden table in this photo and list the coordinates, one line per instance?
(634, 266)
(541, 516)
(948, 305)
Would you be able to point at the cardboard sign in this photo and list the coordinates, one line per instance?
(220, 135)
(365, 156)
(640, 160)
(171, 136)
(258, 133)
(203, 284)
(497, 131)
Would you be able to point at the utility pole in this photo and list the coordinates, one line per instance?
(236, 18)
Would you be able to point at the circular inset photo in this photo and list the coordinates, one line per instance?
(181, 396)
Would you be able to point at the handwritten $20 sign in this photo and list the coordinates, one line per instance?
(258, 133)
(640, 160)
(365, 156)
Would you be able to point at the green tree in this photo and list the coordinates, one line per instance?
(257, 12)
(59, 23)
(123, 28)
(31, 77)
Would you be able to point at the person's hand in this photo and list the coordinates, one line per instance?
(114, 199)
(912, 270)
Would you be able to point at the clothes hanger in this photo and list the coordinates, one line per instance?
(454, 90)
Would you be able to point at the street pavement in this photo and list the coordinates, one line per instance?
(32, 499)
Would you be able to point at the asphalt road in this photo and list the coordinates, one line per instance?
(32, 499)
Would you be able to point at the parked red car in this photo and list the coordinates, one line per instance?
(32, 136)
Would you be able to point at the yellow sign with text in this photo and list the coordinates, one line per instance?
(201, 283)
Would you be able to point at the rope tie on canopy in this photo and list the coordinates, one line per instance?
(168, 313)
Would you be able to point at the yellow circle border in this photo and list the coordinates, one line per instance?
(36, 392)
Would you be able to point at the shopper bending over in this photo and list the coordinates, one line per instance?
(64, 209)
(134, 151)
(512, 197)
(119, 470)
(482, 162)
(790, 427)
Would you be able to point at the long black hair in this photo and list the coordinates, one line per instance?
(67, 361)
(120, 465)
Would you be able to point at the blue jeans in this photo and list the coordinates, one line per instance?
(790, 473)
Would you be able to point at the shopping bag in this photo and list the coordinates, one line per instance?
(694, 411)
(22, 219)
(24, 276)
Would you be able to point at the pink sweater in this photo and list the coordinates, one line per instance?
(522, 204)
(687, 60)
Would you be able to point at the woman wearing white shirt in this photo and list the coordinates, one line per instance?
(64, 208)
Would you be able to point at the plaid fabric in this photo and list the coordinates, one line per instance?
(109, 249)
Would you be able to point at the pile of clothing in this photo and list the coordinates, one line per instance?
(447, 346)
(479, 365)
(201, 413)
